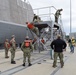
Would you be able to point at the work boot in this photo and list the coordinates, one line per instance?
(23, 64)
(7, 57)
(62, 64)
(29, 64)
(13, 62)
(54, 66)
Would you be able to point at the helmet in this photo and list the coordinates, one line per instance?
(13, 36)
(27, 37)
(6, 40)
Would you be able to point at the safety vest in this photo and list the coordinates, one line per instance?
(8, 45)
(30, 26)
(27, 43)
(42, 41)
(73, 41)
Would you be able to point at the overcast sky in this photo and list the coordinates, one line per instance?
(65, 5)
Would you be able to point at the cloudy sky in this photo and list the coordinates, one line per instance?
(65, 5)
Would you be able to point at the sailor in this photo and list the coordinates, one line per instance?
(72, 44)
(58, 45)
(57, 15)
(42, 43)
(35, 44)
(36, 18)
(42, 40)
(27, 48)
(7, 46)
(33, 28)
(13, 49)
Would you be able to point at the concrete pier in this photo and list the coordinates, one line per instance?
(41, 64)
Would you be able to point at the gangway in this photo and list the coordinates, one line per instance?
(48, 29)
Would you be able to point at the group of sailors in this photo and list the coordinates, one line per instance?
(12, 47)
(27, 47)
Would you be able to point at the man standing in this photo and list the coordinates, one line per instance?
(72, 44)
(57, 15)
(13, 49)
(26, 48)
(7, 46)
(58, 45)
(42, 43)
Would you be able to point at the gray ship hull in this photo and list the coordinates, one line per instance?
(7, 29)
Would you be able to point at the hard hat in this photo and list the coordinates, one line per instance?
(13, 36)
(6, 39)
(27, 36)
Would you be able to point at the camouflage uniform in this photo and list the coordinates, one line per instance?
(57, 15)
(35, 44)
(60, 55)
(36, 18)
(35, 30)
(12, 50)
(6, 48)
(26, 53)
